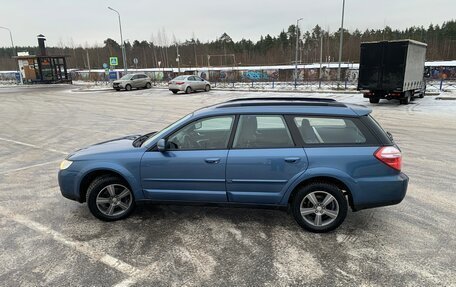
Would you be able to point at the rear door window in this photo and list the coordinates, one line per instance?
(262, 131)
(331, 131)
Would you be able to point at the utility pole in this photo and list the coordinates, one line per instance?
(321, 59)
(124, 55)
(296, 52)
(88, 60)
(341, 42)
(178, 59)
(14, 51)
(194, 50)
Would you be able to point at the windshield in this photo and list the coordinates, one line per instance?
(165, 130)
(127, 77)
(180, 78)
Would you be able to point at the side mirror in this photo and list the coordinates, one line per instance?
(161, 145)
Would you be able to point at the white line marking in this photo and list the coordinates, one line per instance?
(126, 283)
(34, 146)
(82, 247)
(30, 166)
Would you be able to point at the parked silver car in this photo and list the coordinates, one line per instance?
(188, 84)
(131, 81)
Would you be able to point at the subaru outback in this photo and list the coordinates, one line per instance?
(316, 157)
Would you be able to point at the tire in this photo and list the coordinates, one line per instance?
(422, 94)
(188, 90)
(406, 99)
(207, 88)
(374, 100)
(117, 89)
(174, 91)
(331, 214)
(148, 85)
(109, 198)
(128, 87)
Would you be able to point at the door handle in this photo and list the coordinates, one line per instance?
(212, 160)
(292, 159)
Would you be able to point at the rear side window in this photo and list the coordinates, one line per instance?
(262, 131)
(331, 131)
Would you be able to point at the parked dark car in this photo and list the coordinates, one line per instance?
(315, 156)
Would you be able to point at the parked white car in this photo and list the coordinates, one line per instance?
(188, 84)
(130, 81)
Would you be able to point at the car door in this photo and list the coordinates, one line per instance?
(199, 83)
(134, 81)
(192, 83)
(193, 166)
(263, 160)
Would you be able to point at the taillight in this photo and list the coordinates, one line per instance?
(390, 156)
(180, 83)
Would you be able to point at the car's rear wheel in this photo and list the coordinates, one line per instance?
(109, 198)
(319, 207)
(207, 88)
(128, 87)
(148, 85)
(374, 100)
(406, 99)
(188, 90)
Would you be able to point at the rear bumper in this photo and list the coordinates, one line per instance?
(376, 192)
(176, 87)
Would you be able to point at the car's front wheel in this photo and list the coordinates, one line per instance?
(207, 88)
(109, 198)
(319, 207)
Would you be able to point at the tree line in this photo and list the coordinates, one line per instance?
(162, 51)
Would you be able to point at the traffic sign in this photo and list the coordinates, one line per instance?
(112, 75)
(105, 66)
(135, 61)
(113, 61)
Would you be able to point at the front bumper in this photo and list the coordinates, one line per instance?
(383, 191)
(118, 86)
(67, 181)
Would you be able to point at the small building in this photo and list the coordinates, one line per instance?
(43, 68)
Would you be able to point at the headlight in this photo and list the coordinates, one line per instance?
(65, 164)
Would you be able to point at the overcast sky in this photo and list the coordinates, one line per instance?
(89, 21)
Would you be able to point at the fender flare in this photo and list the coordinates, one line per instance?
(309, 174)
(112, 167)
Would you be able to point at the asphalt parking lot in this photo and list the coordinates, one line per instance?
(47, 240)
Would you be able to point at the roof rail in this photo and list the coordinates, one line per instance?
(301, 99)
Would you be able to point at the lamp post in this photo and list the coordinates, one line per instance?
(341, 42)
(14, 51)
(296, 53)
(124, 55)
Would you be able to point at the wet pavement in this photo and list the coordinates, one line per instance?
(47, 240)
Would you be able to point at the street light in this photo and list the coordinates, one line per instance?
(124, 55)
(341, 42)
(296, 53)
(14, 50)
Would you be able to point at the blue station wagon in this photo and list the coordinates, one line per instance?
(314, 156)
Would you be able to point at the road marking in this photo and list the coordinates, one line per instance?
(33, 146)
(126, 283)
(82, 247)
(30, 166)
